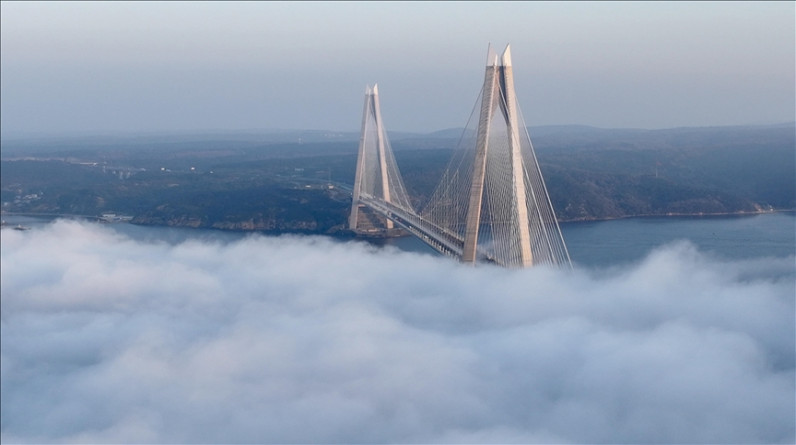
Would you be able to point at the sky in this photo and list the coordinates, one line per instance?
(106, 339)
(116, 67)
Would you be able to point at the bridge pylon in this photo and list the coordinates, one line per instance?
(492, 196)
(377, 174)
(498, 94)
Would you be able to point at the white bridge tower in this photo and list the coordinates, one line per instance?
(377, 175)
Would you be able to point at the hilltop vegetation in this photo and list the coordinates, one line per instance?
(295, 182)
(680, 171)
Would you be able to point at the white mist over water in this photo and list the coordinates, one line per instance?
(301, 339)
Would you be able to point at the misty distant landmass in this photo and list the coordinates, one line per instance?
(296, 181)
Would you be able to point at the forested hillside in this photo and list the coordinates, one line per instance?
(296, 182)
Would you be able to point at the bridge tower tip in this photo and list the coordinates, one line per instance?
(506, 58)
(491, 56)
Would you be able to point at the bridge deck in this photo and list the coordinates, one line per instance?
(439, 239)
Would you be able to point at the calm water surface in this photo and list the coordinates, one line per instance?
(615, 242)
(590, 244)
(735, 237)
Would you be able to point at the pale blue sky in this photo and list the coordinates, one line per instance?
(141, 66)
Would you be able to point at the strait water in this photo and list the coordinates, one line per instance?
(590, 244)
(622, 241)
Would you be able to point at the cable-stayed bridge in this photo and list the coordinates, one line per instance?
(491, 204)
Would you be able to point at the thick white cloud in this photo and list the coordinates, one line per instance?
(106, 339)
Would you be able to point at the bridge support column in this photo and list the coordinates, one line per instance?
(523, 235)
(376, 175)
(498, 91)
(385, 183)
(353, 218)
(473, 220)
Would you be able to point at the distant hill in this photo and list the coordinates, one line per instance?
(279, 181)
(598, 173)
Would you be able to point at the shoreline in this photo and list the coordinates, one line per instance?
(346, 234)
(680, 215)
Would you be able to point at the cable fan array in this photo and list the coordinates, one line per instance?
(491, 203)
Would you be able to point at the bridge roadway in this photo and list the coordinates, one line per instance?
(439, 239)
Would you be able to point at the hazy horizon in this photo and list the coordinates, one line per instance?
(345, 132)
(127, 68)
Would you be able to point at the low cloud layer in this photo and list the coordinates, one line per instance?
(106, 339)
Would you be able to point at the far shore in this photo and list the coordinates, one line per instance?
(99, 218)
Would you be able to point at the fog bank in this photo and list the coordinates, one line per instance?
(301, 339)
